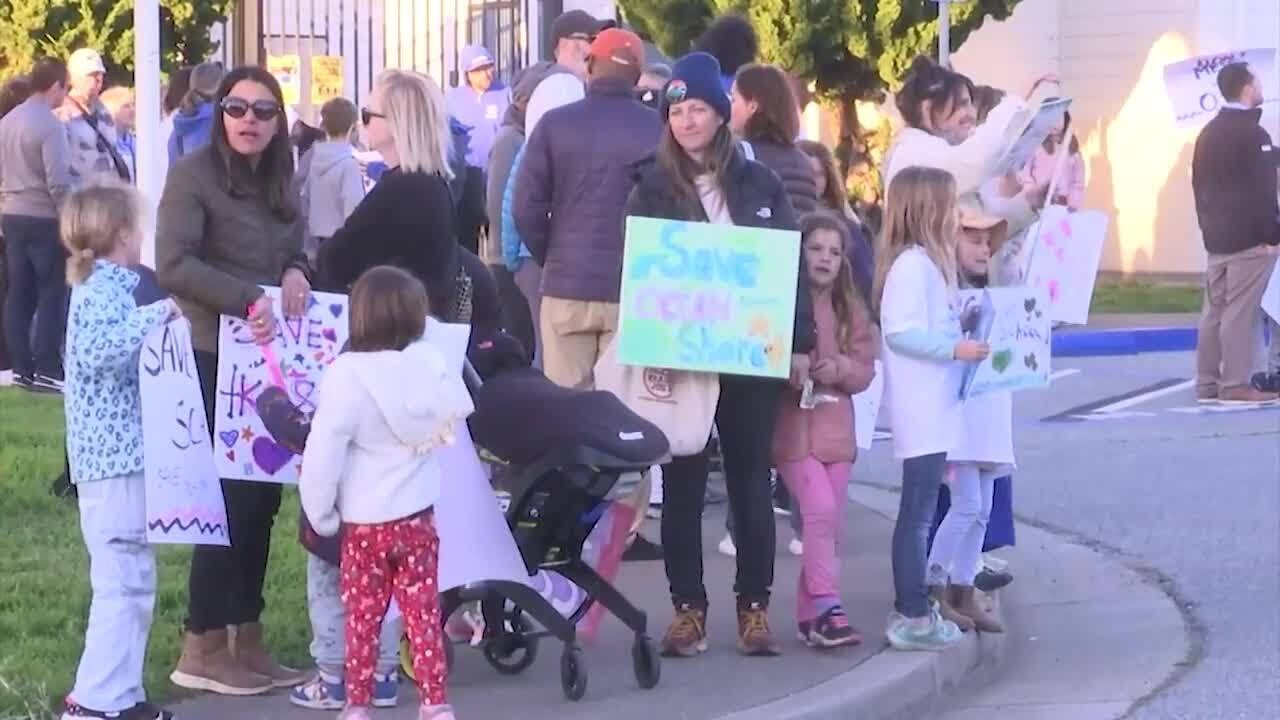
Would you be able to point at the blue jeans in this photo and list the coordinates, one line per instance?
(921, 479)
(37, 293)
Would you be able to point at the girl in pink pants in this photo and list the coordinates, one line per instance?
(814, 446)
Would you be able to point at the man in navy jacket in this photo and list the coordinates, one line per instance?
(1233, 174)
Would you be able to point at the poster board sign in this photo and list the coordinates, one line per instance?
(1271, 296)
(183, 492)
(1016, 323)
(326, 79)
(705, 297)
(304, 347)
(866, 408)
(1033, 127)
(1192, 84)
(287, 70)
(1064, 261)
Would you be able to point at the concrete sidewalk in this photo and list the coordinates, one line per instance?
(866, 682)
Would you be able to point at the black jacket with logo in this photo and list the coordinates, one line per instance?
(1233, 174)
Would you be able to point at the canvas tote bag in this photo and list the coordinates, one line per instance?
(682, 404)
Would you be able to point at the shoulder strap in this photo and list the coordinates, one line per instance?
(747, 150)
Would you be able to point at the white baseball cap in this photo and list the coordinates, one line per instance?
(84, 62)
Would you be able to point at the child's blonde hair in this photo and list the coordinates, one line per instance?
(920, 210)
(94, 221)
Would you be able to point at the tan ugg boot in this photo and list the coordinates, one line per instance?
(248, 650)
(966, 603)
(939, 595)
(206, 664)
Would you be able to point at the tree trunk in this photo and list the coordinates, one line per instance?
(849, 146)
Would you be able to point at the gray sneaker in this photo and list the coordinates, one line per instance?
(930, 633)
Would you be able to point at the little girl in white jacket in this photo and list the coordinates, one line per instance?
(370, 470)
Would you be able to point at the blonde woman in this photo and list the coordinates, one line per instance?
(408, 219)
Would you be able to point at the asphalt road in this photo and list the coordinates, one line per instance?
(1118, 454)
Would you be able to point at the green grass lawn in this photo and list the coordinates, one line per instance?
(1146, 298)
(44, 585)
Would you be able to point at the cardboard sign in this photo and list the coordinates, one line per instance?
(866, 408)
(184, 495)
(326, 79)
(1016, 323)
(713, 298)
(1032, 128)
(1271, 297)
(1064, 260)
(1192, 84)
(304, 347)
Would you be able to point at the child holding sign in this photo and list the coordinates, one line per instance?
(105, 331)
(984, 454)
(813, 445)
(917, 298)
(370, 469)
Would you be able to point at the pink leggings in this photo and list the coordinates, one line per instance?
(819, 493)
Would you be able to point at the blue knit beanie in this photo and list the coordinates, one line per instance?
(696, 76)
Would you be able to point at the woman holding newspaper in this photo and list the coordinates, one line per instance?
(227, 227)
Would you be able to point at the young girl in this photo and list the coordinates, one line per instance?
(369, 469)
(915, 291)
(984, 454)
(105, 330)
(1070, 187)
(813, 446)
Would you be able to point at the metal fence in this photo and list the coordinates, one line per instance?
(422, 35)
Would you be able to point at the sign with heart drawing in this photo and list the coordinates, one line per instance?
(304, 347)
(1016, 323)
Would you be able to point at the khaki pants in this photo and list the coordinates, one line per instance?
(1229, 325)
(575, 334)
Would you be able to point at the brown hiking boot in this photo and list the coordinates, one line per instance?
(687, 636)
(939, 595)
(965, 601)
(206, 664)
(248, 650)
(754, 637)
(1245, 394)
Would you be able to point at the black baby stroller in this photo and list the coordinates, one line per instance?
(561, 453)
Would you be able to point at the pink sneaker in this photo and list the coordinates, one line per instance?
(435, 712)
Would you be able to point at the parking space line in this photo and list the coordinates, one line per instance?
(1151, 394)
(1063, 373)
(1116, 402)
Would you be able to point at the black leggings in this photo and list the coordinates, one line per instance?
(225, 585)
(745, 417)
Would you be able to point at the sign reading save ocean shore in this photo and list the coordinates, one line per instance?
(710, 298)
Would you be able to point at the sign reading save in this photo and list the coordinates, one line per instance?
(711, 298)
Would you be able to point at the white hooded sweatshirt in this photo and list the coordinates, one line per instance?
(379, 416)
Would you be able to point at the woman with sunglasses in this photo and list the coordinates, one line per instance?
(408, 219)
(701, 175)
(227, 226)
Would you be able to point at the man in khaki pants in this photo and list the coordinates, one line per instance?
(1233, 174)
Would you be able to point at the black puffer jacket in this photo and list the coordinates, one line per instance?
(755, 197)
(792, 166)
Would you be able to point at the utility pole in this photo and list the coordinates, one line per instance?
(149, 165)
(944, 32)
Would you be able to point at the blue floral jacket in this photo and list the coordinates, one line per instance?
(105, 330)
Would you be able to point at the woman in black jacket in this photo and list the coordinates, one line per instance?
(409, 218)
(767, 120)
(701, 175)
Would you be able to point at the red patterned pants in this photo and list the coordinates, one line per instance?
(398, 557)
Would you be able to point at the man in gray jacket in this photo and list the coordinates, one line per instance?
(34, 178)
(91, 132)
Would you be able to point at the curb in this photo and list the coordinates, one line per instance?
(892, 685)
(1126, 341)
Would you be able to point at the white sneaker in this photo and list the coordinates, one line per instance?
(727, 547)
(6, 378)
(796, 546)
(995, 564)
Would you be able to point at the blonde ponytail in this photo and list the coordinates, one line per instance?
(95, 220)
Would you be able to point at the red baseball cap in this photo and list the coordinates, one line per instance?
(620, 46)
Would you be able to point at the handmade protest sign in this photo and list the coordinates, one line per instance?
(1064, 260)
(1192, 84)
(303, 347)
(1015, 322)
(866, 408)
(714, 298)
(1271, 297)
(1030, 130)
(184, 495)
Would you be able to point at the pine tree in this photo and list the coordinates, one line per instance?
(32, 28)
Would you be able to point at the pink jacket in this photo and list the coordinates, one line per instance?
(1070, 185)
(826, 431)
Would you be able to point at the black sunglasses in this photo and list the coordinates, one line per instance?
(237, 108)
(367, 115)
